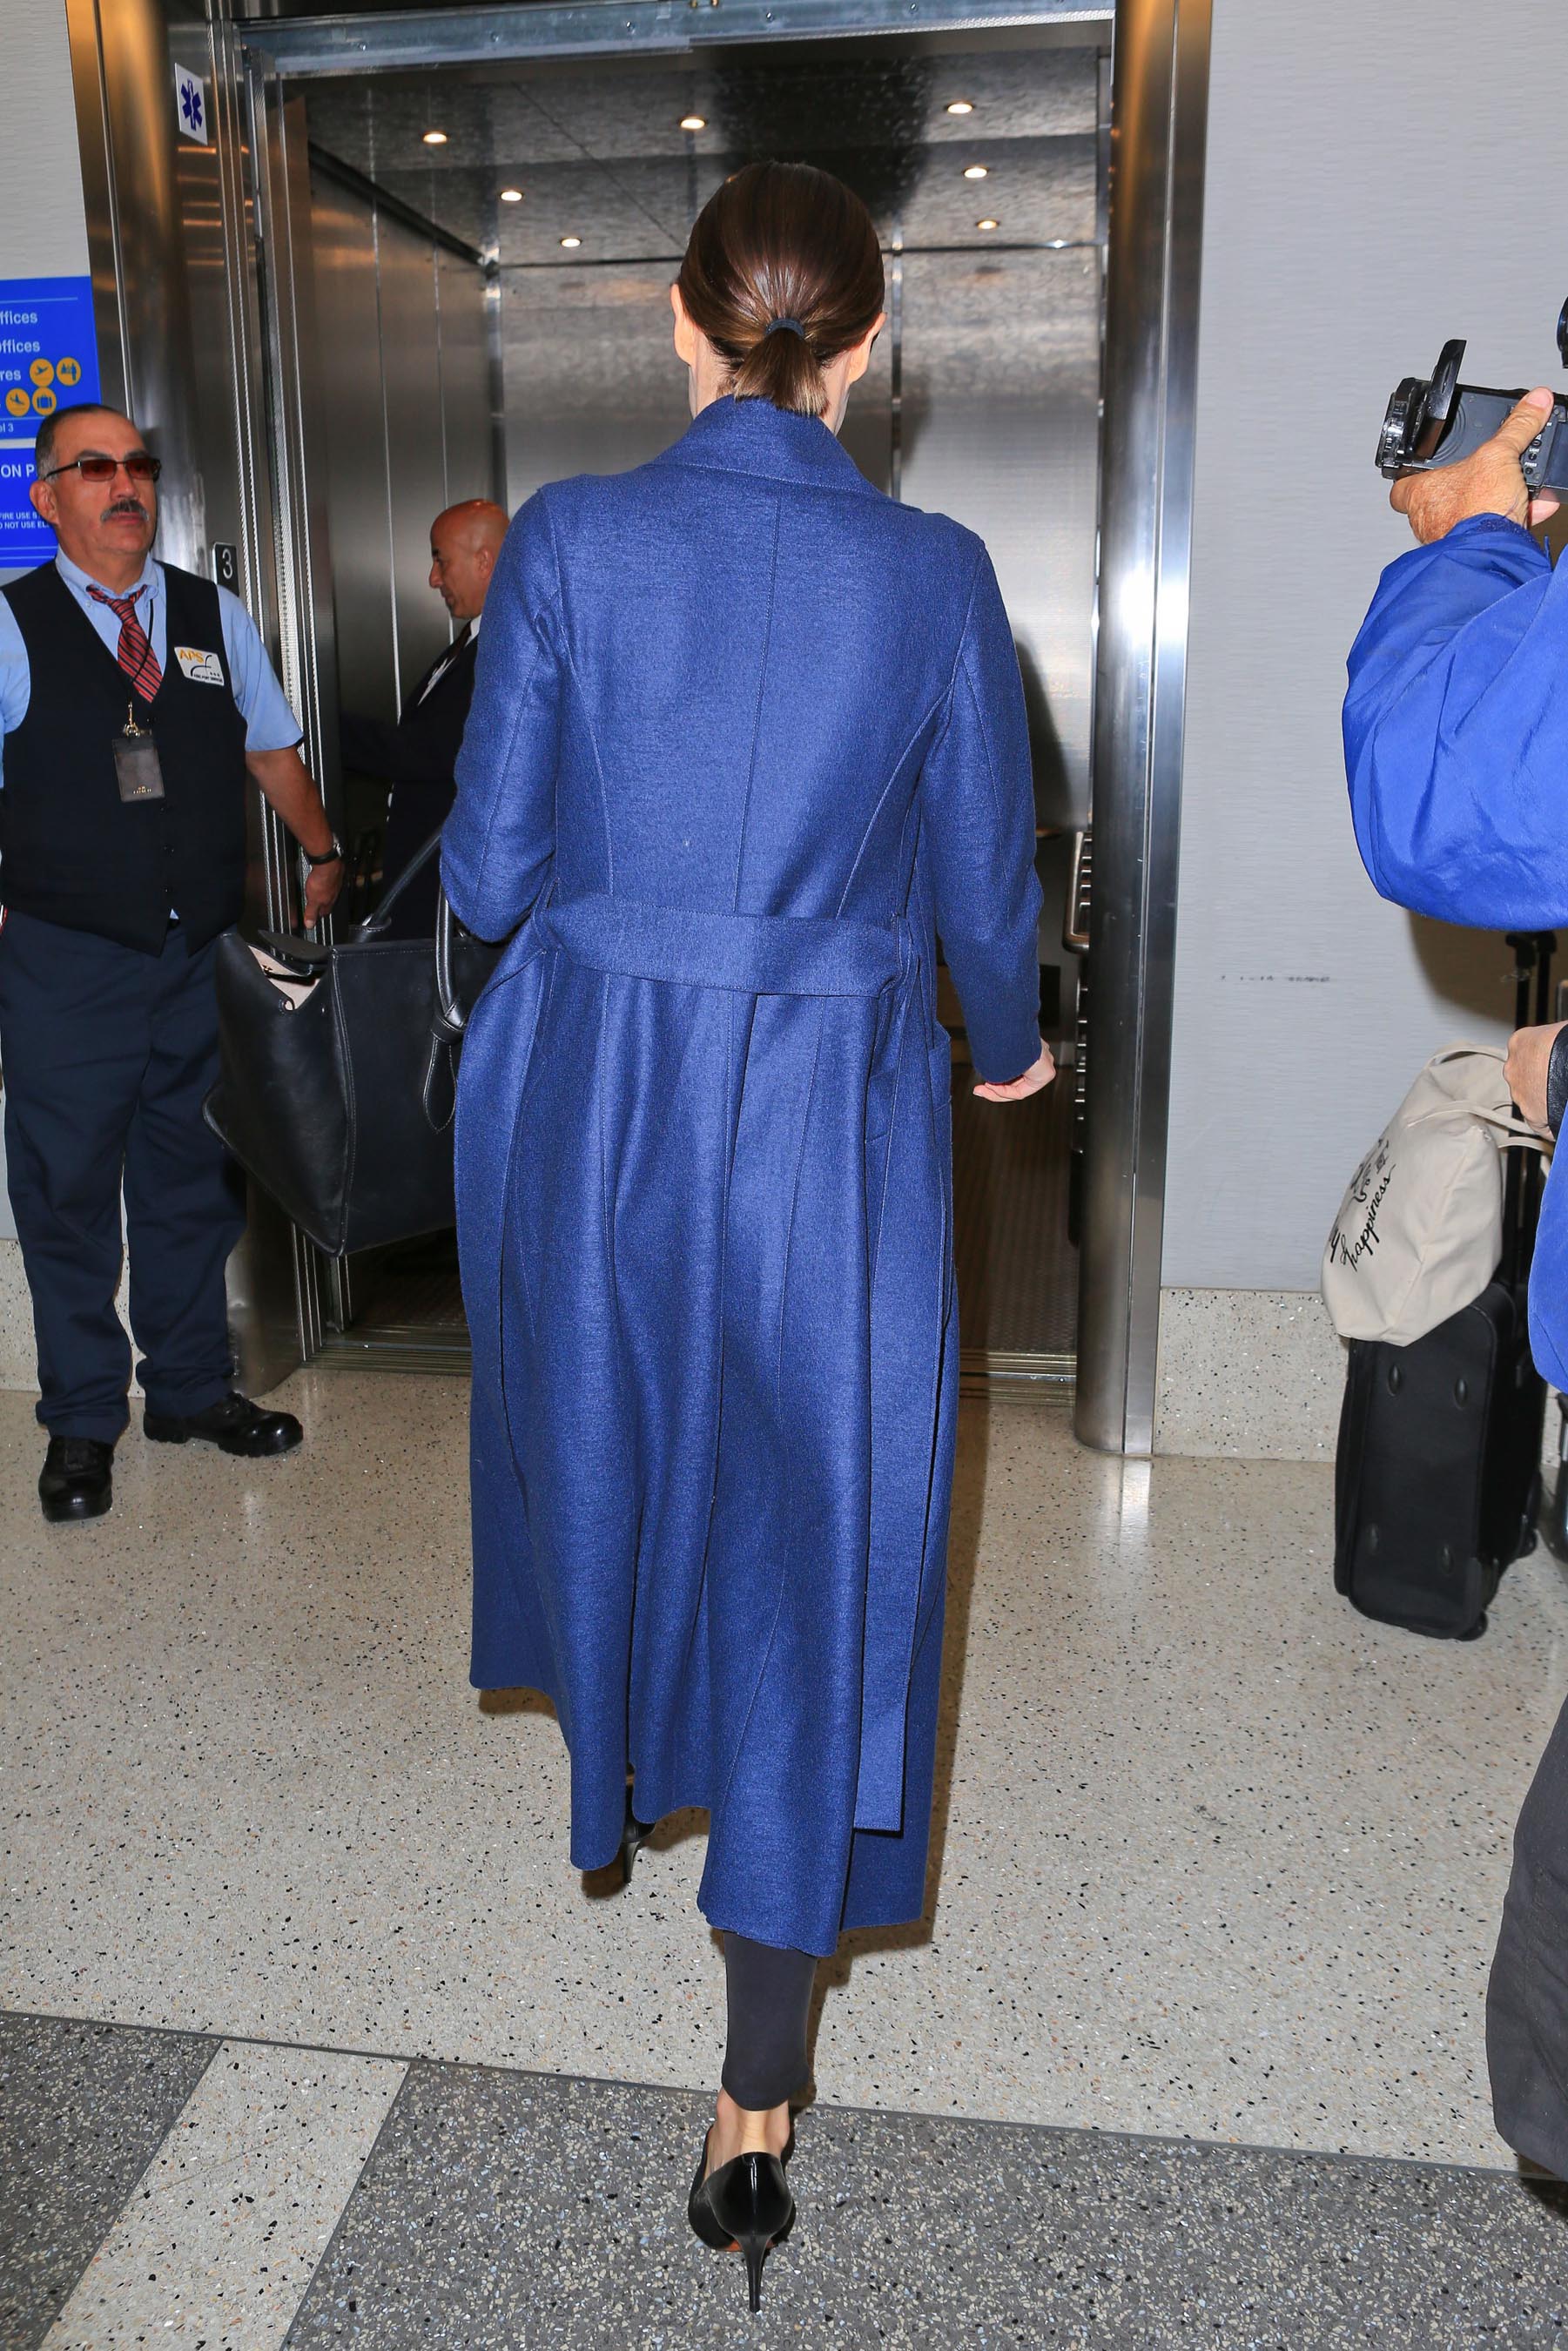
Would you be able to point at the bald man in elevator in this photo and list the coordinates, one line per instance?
(417, 754)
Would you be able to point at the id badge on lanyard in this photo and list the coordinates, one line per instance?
(136, 769)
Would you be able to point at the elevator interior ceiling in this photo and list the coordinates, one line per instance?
(597, 148)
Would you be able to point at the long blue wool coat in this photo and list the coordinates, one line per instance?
(744, 735)
(1456, 733)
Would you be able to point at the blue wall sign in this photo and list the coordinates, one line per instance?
(49, 357)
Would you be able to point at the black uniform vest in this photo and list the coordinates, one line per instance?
(71, 851)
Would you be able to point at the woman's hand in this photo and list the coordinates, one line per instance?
(1526, 1067)
(1034, 1080)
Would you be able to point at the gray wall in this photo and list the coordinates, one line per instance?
(405, 378)
(40, 180)
(1378, 179)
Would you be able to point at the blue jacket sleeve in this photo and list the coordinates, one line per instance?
(976, 806)
(499, 839)
(1456, 730)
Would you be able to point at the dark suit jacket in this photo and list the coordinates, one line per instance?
(416, 756)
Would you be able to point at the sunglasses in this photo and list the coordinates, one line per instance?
(139, 466)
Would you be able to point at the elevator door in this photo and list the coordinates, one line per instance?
(405, 365)
(982, 166)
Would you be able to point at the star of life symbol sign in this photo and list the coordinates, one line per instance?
(190, 106)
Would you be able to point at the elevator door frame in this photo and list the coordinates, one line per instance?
(1159, 99)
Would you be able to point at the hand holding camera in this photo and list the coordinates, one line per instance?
(1489, 481)
(1453, 449)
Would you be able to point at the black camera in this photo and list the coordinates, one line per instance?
(1436, 419)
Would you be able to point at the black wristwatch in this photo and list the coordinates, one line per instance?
(328, 856)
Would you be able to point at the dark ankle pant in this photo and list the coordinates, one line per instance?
(769, 2001)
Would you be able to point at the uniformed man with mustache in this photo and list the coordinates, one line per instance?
(135, 698)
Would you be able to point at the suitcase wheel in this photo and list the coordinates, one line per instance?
(1477, 1629)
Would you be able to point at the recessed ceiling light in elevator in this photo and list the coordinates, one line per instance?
(435, 138)
(583, 144)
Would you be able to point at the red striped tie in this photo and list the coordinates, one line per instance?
(137, 658)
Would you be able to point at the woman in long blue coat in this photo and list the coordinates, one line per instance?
(746, 738)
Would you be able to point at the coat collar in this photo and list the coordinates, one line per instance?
(752, 436)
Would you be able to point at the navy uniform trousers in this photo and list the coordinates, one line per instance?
(108, 1056)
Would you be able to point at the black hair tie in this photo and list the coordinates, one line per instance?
(785, 326)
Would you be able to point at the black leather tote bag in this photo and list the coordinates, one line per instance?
(340, 1068)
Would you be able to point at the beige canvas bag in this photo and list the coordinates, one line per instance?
(1419, 1231)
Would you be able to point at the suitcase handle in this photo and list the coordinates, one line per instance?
(1533, 951)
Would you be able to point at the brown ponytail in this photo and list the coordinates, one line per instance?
(782, 273)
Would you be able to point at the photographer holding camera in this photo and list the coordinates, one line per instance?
(1455, 724)
(1456, 730)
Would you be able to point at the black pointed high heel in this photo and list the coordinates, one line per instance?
(634, 1836)
(746, 2203)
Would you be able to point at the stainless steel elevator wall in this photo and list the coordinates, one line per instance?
(406, 409)
(403, 354)
(1005, 439)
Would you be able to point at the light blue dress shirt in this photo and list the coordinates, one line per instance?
(270, 724)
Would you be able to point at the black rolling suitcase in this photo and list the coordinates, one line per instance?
(1437, 1475)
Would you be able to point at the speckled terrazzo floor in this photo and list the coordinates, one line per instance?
(1218, 1858)
(83, 2110)
(302, 2199)
(912, 2233)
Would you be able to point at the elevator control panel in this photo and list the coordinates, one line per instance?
(1436, 419)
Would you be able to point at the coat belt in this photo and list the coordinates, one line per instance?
(755, 955)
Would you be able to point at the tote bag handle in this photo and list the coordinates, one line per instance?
(375, 924)
(1505, 1122)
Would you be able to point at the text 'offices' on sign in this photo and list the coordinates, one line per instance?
(48, 359)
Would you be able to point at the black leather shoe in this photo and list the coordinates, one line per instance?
(76, 1480)
(233, 1422)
